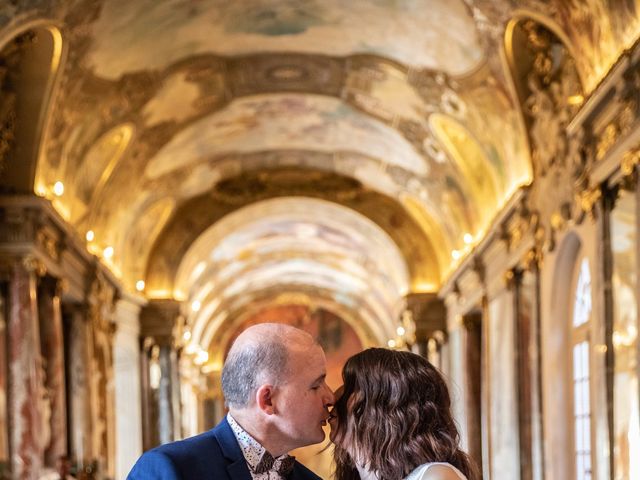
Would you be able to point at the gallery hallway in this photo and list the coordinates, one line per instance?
(454, 177)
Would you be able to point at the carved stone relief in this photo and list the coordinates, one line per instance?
(560, 159)
(101, 300)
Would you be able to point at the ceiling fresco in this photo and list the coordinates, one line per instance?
(401, 30)
(294, 241)
(168, 117)
(285, 121)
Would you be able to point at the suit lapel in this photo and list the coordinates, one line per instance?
(301, 473)
(237, 465)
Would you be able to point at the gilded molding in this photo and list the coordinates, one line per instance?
(589, 199)
(607, 139)
(34, 265)
(532, 260)
(630, 161)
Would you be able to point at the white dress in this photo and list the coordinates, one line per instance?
(419, 472)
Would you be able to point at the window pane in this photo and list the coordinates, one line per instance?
(581, 414)
(582, 305)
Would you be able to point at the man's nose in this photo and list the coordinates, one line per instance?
(329, 398)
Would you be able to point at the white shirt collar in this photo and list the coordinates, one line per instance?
(251, 448)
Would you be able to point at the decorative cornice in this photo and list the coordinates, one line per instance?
(31, 228)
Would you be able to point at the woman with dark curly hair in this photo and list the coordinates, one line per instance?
(393, 421)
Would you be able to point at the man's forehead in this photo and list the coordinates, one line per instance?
(305, 349)
(311, 357)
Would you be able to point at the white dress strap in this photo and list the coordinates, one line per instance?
(418, 473)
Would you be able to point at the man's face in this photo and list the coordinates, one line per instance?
(304, 398)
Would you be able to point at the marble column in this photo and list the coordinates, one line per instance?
(28, 403)
(430, 316)
(149, 439)
(528, 362)
(4, 420)
(127, 385)
(165, 395)
(52, 346)
(78, 388)
(161, 375)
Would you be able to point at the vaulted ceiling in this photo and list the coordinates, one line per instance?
(349, 153)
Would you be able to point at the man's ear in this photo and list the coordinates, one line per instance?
(264, 399)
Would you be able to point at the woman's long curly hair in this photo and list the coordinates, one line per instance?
(393, 416)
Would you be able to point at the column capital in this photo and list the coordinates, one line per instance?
(429, 313)
(158, 319)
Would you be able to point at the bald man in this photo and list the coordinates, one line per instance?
(273, 381)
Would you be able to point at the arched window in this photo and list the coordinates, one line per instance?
(581, 373)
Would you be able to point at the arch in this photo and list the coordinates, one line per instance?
(300, 247)
(556, 350)
(34, 53)
(194, 216)
(88, 178)
(521, 15)
(479, 177)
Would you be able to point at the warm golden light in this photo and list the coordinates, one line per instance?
(140, 285)
(201, 357)
(391, 343)
(600, 348)
(400, 331)
(41, 190)
(211, 367)
(108, 253)
(186, 336)
(58, 189)
(468, 238)
(90, 236)
(575, 99)
(456, 254)
(195, 305)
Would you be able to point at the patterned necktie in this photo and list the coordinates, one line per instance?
(283, 465)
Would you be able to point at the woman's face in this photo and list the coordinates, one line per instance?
(333, 419)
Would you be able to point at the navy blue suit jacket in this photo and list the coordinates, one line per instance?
(213, 455)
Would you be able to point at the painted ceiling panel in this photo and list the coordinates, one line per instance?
(440, 35)
(285, 121)
(294, 226)
(298, 243)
